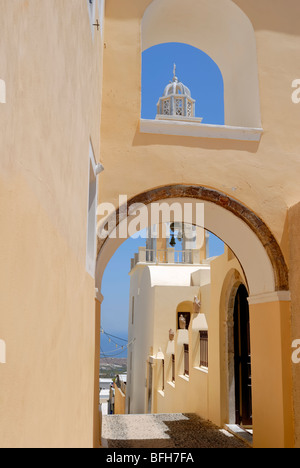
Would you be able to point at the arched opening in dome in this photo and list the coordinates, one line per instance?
(198, 75)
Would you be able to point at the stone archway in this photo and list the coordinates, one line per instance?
(227, 205)
(267, 275)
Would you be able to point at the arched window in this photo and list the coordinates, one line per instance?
(222, 31)
(198, 88)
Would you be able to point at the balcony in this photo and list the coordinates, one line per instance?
(166, 257)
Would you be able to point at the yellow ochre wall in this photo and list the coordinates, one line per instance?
(221, 164)
(120, 401)
(271, 374)
(52, 69)
(204, 392)
(262, 175)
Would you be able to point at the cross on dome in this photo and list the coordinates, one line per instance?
(174, 73)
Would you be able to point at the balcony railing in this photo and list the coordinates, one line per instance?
(168, 256)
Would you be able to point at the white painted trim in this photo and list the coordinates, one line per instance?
(184, 377)
(179, 118)
(91, 247)
(199, 130)
(2, 352)
(202, 369)
(101, 8)
(277, 296)
(2, 92)
(92, 14)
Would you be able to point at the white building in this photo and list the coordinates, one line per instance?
(182, 356)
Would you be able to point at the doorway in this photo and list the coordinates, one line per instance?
(242, 359)
(150, 381)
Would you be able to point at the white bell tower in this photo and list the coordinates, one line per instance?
(176, 102)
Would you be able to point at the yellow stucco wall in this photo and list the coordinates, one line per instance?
(52, 70)
(263, 176)
(214, 163)
(120, 401)
(204, 392)
(271, 375)
(187, 395)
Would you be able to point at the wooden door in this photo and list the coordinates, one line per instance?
(242, 352)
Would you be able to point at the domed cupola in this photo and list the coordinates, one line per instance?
(176, 102)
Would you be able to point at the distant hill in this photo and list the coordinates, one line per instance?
(111, 367)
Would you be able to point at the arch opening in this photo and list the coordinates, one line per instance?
(263, 270)
(200, 25)
(198, 76)
(242, 230)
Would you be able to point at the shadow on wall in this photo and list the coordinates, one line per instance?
(270, 16)
(143, 139)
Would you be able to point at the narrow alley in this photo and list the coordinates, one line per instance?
(165, 431)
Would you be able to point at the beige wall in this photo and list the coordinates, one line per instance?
(52, 70)
(204, 392)
(228, 164)
(271, 375)
(222, 268)
(155, 314)
(263, 176)
(187, 395)
(120, 401)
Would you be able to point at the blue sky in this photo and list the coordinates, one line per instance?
(195, 69)
(202, 76)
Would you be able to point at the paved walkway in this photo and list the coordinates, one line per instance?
(165, 431)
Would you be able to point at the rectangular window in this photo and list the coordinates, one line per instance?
(92, 216)
(186, 360)
(173, 368)
(204, 349)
